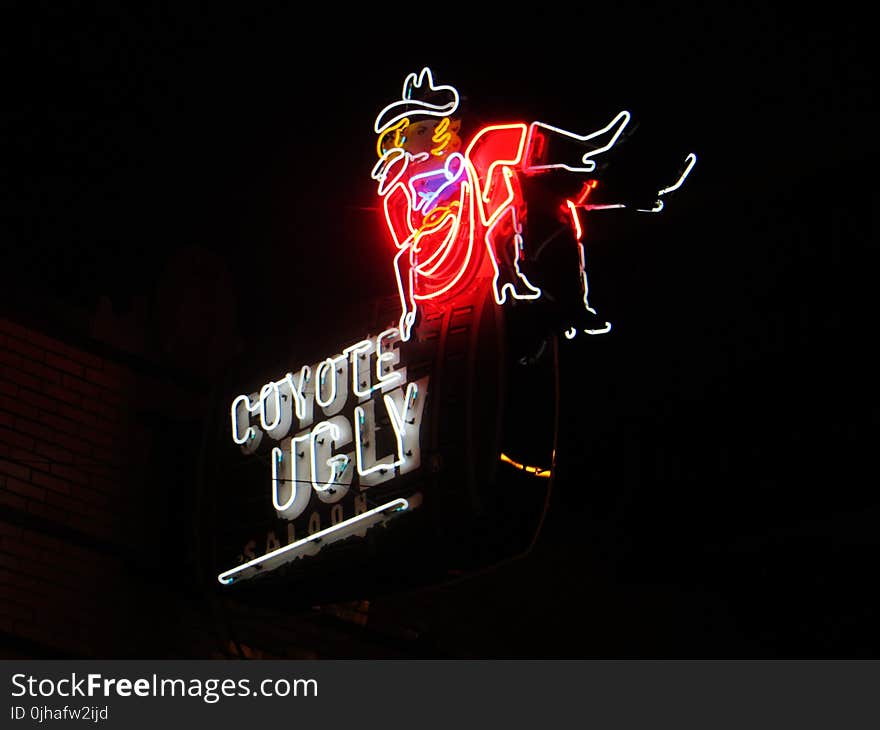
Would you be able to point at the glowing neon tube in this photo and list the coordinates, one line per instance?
(615, 128)
(536, 470)
(689, 163)
(309, 545)
(412, 83)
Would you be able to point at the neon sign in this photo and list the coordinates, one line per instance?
(448, 211)
(458, 215)
(325, 420)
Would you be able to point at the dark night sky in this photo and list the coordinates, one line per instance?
(733, 399)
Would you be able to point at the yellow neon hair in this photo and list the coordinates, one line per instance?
(441, 137)
(397, 131)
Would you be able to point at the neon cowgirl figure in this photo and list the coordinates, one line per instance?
(449, 206)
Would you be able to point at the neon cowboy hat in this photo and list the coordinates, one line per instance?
(420, 96)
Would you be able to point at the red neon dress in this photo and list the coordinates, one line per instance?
(450, 213)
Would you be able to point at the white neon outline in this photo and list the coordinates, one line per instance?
(320, 380)
(408, 313)
(410, 83)
(379, 466)
(658, 206)
(501, 294)
(380, 170)
(263, 399)
(363, 348)
(227, 577)
(295, 456)
(386, 162)
(398, 420)
(602, 206)
(298, 391)
(250, 432)
(291, 509)
(602, 331)
(586, 159)
(395, 376)
(338, 463)
(690, 161)
(586, 283)
(575, 218)
(298, 384)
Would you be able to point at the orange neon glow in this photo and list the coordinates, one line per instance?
(536, 470)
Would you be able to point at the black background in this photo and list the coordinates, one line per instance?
(714, 495)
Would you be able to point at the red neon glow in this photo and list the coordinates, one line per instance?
(478, 198)
(589, 186)
(493, 147)
(572, 207)
(575, 221)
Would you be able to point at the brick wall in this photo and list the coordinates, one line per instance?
(73, 463)
(62, 431)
